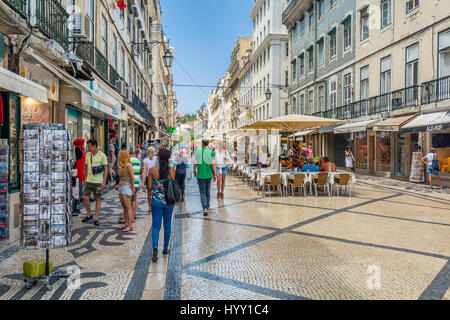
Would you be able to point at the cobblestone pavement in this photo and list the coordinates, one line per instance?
(114, 265)
(389, 241)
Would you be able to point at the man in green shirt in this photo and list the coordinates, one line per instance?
(95, 183)
(205, 170)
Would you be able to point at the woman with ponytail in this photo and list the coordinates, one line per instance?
(126, 188)
(160, 209)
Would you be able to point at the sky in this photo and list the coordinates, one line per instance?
(203, 33)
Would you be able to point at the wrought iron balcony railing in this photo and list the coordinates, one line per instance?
(113, 75)
(436, 90)
(101, 64)
(405, 97)
(379, 104)
(21, 6)
(288, 9)
(139, 107)
(51, 19)
(86, 52)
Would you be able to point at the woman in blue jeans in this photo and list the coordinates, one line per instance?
(160, 209)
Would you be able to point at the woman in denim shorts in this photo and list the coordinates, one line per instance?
(126, 188)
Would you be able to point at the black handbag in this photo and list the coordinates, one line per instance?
(172, 191)
(96, 169)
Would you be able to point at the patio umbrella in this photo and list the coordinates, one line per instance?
(293, 123)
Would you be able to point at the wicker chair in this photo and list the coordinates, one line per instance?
(343, 182)
(272, 181)
(298, 182)
(322, 181)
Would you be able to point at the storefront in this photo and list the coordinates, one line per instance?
(392, 155)
(355, 135)
(432, 130)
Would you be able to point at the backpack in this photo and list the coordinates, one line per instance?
(172, 191)
(435, 163)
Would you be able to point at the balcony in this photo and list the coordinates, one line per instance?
(405, 97)
(86, 52)
(51, 19)
(113, 76)
(101, 64)
(288, 10)
(436, 90)
(20, 6)
(141, 108)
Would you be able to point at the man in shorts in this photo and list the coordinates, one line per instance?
(428, 160)
(138, 178)
(95, 183)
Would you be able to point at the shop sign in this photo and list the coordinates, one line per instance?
(386, 128)
(361, 135)
(382, 134)
(42, 77)
(437, 127)
(115, 112)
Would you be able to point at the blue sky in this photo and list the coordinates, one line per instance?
(203, 33)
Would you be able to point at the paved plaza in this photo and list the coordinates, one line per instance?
(389, 241)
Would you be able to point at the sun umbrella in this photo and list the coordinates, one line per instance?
(293, 123)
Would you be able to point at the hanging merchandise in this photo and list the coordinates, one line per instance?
(46, 192)
(417, 168)
(4, 189)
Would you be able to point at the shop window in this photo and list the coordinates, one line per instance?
(361, 151)
(441, 142)
(383, 150)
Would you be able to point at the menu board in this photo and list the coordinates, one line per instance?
(4, 219)
(46, 186)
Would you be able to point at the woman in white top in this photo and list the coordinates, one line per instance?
(149, 163)
(349, 159)
(222, 158)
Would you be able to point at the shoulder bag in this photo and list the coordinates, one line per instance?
(96, 169)
(172, 191)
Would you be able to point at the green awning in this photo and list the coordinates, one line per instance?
(310, 47)
(320, 39)
(293, 60)
(332, 30)
(301, 54)
(346, 19)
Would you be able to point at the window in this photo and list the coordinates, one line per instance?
(287, 78)
(294, 105)
(286, 108)
(114, 52)
(311, 16)
(385, 13)
(347, 34)
(302, 104)
(104, 33)
(321, 105)
(364, 23)
(444, 54)
(321, 5)
(90, 14)
(122, 55)
(321, 53)
(333, 45)
(310, 101)
(294, 70)
(302, 64)
(347, 89)
(411, 5)
(332, 95)
(385, 75)
(294, 33)
(310, 60)
(287, 49)
(302, 25)
(412, 65)
(332, 3)
(364, 83)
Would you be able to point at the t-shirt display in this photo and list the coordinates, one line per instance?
(4, 148)
(46, 186)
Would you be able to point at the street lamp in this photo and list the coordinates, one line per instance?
(168, 59)
(175, 103)
(268, 94)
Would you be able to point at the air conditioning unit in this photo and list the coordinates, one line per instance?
(81, 26)
(129, 95)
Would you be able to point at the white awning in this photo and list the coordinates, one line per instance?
(15, 83)
(393, 124)
(305, 132)
(430, 122)
(355, 126)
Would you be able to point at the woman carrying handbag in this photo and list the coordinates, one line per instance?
(161, 211)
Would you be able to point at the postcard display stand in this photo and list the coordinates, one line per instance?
(4, 219)
(46, 189)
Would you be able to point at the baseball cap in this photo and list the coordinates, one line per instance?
(124, 145)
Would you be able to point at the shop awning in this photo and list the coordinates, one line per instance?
(393, 124)
(430, 122)
(355, 126)
(329, 129)
(305, 132)
(15, 83)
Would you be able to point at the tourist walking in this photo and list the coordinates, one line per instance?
(349, 159)
(149, 162)
(80, 162)
(97, 172)
(127, 190)
(204, 171)
(180, 172)
(222, 159)
(432, 163)
(138, 177)
(161, 211)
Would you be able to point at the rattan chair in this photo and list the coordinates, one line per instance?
(272, 181)
(298, 182)
(322, 181)
(343, 182)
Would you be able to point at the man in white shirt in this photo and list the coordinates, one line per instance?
(428, 160)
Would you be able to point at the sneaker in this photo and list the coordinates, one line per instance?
(205, 212)
(86, 219)
(155, 255)
(96, 223)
